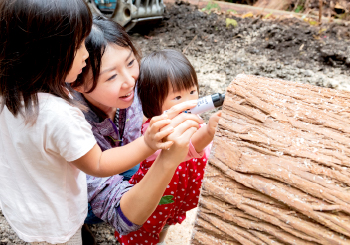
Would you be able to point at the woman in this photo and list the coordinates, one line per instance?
(107, 88)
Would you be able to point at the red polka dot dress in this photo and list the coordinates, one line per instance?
(181, 195)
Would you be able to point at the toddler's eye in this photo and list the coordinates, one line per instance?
(178, 98)
(193, 91)
(112, 77)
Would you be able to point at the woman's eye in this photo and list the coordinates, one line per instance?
(112, 77)
(131, 63)
(178, 98)
(193, 91)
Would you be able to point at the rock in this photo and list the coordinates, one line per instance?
(308, 73)
(279, 167)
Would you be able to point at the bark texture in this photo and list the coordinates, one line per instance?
(279, 168)
(274, 4)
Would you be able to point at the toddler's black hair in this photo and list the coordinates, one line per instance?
(159, 72)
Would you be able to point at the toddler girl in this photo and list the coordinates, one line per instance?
(166, 79)
(45, 140)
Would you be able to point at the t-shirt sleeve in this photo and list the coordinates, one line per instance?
(70, 134)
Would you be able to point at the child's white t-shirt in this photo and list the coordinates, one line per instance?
(42, 195)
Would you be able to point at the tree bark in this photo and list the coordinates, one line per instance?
(274, 4)
(279, 167)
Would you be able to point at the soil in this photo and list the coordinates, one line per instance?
(286, 48)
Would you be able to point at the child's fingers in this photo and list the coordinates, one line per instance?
(180, 129)
(177, 109)
(185, 117)
(215, 117)
(160, 135)
(158, 118)
(156, 126)
(186, 136)
(182, 118)
(164, 145)
(217, 114)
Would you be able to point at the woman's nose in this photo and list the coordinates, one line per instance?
(129, 80)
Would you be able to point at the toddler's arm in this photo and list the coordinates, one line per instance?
(206, 133)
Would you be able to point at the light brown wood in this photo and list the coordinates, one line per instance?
(273, 4)
(279, 168)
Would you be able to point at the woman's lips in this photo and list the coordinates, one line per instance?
(128, 98)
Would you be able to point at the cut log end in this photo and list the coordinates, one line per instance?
(279, 168)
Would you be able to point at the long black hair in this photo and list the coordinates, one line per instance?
(104, 32)
(38, 43)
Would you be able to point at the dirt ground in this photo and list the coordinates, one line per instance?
(288, 49)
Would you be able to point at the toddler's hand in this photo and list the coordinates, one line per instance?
(153, 137)
(213, 123)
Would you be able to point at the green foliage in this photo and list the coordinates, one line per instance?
(231, 11)
(299, 9)
(166, 200)
(267, 16)
(211, 6)
(342, 16)
(231, 22)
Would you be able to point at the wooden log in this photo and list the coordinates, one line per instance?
(279, 171)
(273, 4)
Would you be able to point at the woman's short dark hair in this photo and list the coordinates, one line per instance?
(159, 71)
(38, 43)
(104, 32)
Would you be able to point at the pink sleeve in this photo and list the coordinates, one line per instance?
(192, 153)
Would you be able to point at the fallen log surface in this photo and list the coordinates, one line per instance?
(279, 171)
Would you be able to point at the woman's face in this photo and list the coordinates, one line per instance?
(118, 75)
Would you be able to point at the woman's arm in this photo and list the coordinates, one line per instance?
(120, 159)
(123, 205)
(141, 200)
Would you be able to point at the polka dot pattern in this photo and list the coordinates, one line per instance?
(185, 191)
